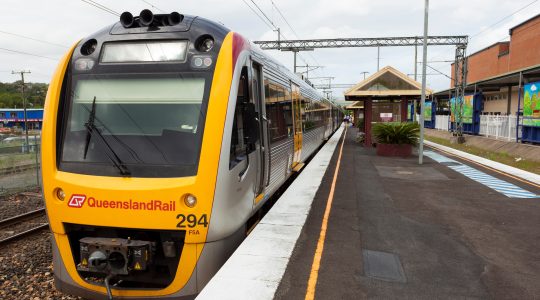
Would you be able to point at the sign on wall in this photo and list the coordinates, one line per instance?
(467, 112)
(531, 104)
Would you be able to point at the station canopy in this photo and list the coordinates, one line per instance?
(386, 83)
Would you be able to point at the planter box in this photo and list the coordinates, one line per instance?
(394, 150)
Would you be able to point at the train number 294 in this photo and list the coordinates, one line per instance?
(191, 220)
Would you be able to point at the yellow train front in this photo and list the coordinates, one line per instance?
(163, 136)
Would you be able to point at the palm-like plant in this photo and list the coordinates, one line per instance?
(396, 133)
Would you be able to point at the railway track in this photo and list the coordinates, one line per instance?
(16, 220)
(17, 169)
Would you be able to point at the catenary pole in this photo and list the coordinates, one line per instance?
(24, 106)
(423, 98)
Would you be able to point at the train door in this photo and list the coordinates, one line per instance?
(263, 147)
(297, 120)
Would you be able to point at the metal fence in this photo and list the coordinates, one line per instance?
(498, 127)
(19, 167)
(442, 122)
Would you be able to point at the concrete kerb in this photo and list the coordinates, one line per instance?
(255, 269)
(534, 178)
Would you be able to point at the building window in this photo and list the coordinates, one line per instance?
(13, 115)
(2, 114)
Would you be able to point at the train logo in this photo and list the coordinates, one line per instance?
(77, 201)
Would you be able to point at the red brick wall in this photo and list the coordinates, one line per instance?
(525, 45)
(522, 51)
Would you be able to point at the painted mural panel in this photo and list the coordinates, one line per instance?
(531, 104)
(427, 110)
(467, 109)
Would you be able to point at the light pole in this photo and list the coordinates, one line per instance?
(423, 98)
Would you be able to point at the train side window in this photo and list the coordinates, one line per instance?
(238, 145)
(278, 111)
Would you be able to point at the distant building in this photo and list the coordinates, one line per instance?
(14, 117)
(497, 70)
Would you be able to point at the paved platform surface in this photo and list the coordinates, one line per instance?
(398, 230)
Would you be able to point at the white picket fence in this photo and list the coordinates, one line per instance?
(442, 122)
(498, 127)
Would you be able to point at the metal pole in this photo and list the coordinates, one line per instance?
(36, 150)
(415, 62)
(423, 98)
(415, 75)
(378, 57)
(519, 106)
(24, 107)
(294, 61)
(365, 74)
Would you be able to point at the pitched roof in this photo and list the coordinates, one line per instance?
(355, 105)
(387, 82)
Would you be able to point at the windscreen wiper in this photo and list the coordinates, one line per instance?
(111, 154)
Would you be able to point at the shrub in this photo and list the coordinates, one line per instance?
(359, 123)
(396, 133)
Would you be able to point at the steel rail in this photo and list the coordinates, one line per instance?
(23, 234)
(21, 217)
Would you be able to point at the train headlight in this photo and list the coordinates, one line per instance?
(204, 43)
(60, 194)
(84, 64)
(190, 200)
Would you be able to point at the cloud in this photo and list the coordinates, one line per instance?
(66, 22)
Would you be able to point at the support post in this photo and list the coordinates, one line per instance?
(423, 98)
(509, 101)
(519, 106)
(378, 57)
(368, 117)
(294, 68)
(415, 60)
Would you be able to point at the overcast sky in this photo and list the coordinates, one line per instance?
(65, 22)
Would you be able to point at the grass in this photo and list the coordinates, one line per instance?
(504, 158)
(11, 160)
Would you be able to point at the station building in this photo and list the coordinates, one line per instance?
(386, 96)
(500, 70)
(14, 117)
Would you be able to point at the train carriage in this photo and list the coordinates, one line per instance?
(163, 136)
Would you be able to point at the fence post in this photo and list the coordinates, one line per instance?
(487, 125)
(508, 124)
(497, 126)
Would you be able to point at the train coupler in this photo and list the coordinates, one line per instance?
(114, 255)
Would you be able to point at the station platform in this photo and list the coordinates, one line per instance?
(389, 228)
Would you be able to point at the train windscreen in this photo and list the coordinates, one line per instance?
(136, 125)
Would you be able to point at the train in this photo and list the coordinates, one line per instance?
(163, 136)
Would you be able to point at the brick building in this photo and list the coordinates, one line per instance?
(496, 70)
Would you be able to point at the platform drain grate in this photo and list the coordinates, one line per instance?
(383, 266)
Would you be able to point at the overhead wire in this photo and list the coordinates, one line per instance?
(297, 36)
(262, 12)
(101, 6)
(506, 17)
(152, 5)
(33, 39)
(496, 23)
(483, 30)
(262, 19)
(267, 21)
(27, 53)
